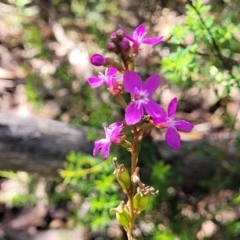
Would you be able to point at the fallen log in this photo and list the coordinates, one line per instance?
(41, 145)
(38, 145)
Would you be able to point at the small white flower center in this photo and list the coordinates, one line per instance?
(139, 36)
(171, 122)
(142, 97)
(101, 76)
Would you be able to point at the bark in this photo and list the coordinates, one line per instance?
(38, 145)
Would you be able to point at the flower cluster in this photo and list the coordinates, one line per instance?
(119, 77)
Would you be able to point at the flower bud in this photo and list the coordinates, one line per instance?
(111, 47)
(126, 144)
(122, 175)
(122, 215)
(131, 66)
(120, 34)
(140, 201)
(114, 38)
(124, 45)
(97, 60)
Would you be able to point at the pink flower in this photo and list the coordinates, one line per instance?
(135, 110)
(168, 121)
(112, 137)
(138, 37)
(108, 78)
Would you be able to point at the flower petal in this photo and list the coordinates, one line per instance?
(104, 145)
(130, 38)
(111, 71)
(95, 82)
(133, 113)
(152, 83)
(152, 40)
(105, 150)
(172, 137)
(172, 107)
(139, 33)
(183, 125)
(131, 81)
(112, 132)
(153, 109)
(97, 146)
(161, 119)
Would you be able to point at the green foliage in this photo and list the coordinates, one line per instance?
(183, 62)
(33, 94)
(93, 179)
(161, 175)
(24, 10)
(21, 195)
(164, 235)
(33, 39)
(232, 231)
(206, 50)
(21, 199)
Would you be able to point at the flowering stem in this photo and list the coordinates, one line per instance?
(135, 151)
(130, 195)
(132, 215)
(120, 100)
(137, 192)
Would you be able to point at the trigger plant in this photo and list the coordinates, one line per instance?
(142, 114)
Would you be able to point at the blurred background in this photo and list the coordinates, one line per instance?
(44, 66)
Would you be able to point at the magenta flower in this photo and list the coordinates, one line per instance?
(138, 37)
(135, 110)
(108, 78)
(112, 136)
(168, 121)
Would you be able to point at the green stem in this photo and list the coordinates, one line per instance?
(134, 160)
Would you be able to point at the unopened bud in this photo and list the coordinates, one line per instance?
(124, 45)
(122, 175)
(126, 144)
(114, 38)
(120, 34)
(140, 201)
(122, 215)
(111, 47)
(97, 60)
(131, 66)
